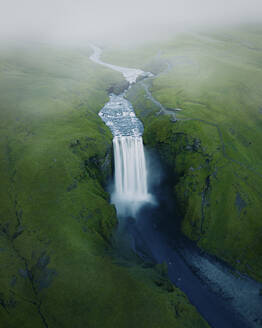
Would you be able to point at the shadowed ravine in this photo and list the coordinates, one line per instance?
(223, 298)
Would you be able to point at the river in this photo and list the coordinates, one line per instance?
(224, 297)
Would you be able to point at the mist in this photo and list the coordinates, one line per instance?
(74, 21)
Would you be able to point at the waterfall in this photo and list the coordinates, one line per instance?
(130, 166)
(130, 175)
(130, 185)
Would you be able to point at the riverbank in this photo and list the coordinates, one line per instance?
(213, 146)
(152, 244)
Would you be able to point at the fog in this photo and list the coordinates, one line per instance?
(80, 20)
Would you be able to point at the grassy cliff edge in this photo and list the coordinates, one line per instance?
(56, 222)
(211, 83)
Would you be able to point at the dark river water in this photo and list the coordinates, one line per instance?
(224, 297)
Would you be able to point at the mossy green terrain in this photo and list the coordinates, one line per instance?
(57, 264)
(212, 83)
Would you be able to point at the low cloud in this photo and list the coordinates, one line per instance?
(78, 20)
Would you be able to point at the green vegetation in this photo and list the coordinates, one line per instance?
(214, 146)
(57, 263)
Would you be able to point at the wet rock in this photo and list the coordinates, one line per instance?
(92, 160)
(105, 164)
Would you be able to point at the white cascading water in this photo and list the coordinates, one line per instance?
(131, 189)
(130, 192)
(130, 174)
(130, 167)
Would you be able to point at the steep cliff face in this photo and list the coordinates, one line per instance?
(213, 208)
(208, 131)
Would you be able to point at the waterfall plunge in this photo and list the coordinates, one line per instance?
(130, 175)
(130, 166)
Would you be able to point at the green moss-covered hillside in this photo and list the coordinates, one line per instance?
(211, 82)
(56, 223)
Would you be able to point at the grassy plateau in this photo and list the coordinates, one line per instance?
(57, 264)
(209, 132)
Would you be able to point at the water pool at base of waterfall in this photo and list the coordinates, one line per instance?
(220, 296)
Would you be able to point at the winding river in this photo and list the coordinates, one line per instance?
(226, 299)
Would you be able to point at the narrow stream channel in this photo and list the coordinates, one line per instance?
(224, 298)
